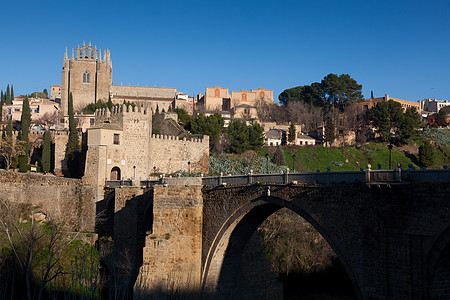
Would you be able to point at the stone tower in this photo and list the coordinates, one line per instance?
(86, 76)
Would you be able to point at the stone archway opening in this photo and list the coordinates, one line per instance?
(231, 268)
(115, 173)
(439, 267)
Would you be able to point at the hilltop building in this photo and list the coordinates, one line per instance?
(433, 105)
(371, 102)
(242, 104)
(88, 77)
(38, 108)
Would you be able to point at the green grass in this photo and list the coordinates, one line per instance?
(352, 158)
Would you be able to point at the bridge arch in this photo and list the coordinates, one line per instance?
(223, 258)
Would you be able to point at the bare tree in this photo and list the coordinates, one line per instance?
(48, 119)
(10, 148)
(41, 245)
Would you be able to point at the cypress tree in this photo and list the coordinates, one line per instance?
(72, 152)
(329, 131)
(2, 99)
(72, 146)
(278, 157)
(12, 93)
(371, 94)
(25, 122)
(109, 104)
(291, 136)
(46, 152)
(9, 129)
(8, 95)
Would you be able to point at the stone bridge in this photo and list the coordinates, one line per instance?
(389, 228)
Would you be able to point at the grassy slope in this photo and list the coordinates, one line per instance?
(309, 158)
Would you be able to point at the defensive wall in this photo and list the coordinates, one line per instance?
(57, 197)
(169, 154)
(389, 229)
(121, 146)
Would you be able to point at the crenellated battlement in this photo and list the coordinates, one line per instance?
(204, 139)
(122, 109)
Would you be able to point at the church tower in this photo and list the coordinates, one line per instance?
(86, 76)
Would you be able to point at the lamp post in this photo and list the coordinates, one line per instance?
(134, 169)
(293, 163)
(189, 167)
(390, 155)
(267, 163)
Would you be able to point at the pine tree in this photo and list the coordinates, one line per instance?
(46, 152)
(427, 154)
(8, 95)
(329, 131)
(291, 136)
(25, 123)
(12, 93)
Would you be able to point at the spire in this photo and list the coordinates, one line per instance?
(65, 55)
(104, 55)
(84, 44)
(78, 51)
(95, 52)
(89, 43)
(72, 53)
(100, 55)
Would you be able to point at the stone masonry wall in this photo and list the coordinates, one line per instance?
(172, 252)
(62, 198)
(170, 154)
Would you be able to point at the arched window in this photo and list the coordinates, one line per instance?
(86, 77)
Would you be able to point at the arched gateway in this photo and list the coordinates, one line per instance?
(224, 256)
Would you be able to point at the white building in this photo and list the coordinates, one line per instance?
(433, 105)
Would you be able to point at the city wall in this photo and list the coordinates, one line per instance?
(170, 154)
(61, 198)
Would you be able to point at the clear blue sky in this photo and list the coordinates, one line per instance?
(400, 48)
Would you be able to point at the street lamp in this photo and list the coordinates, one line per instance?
(390, 155)
(189, 167)
(293, 163)
(134, 169)
(267, 163)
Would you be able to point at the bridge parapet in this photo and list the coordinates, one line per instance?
(396, 176)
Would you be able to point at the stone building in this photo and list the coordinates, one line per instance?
(241, 103)
(433, 105)
(121, 146)
(38, 109)
(88, 77)
(371, 102)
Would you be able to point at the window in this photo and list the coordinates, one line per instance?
(86, 77)
(92, 121)
(116, 139)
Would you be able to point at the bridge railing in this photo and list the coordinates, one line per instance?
(396, 176)
(116, 183)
